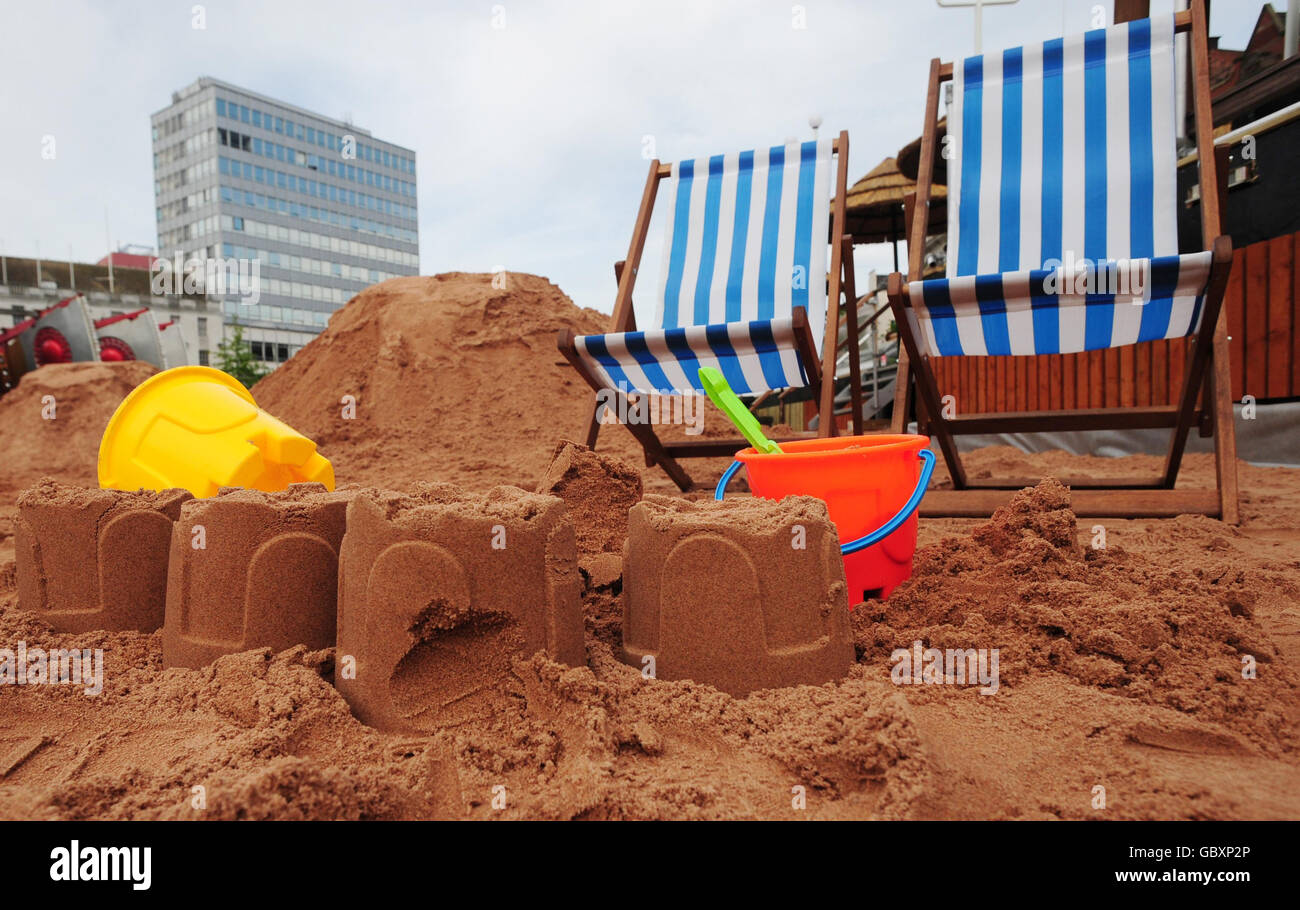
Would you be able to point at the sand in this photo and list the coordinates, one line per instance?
(1120, 668)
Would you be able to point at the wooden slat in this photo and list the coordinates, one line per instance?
(1056, 385)
(981, 383)
(1018, 373)
(1144, 482)
(1045, 421)
(1177, 367)
(1127, 376)
(970, 403)
(1110, 359)
(720, 448)
(1142, 381)
(1235, 302)
(1069, 382)
(1280, 288)
(1256, 315)
(1043, 399)
(1085, 503)
(1096, 379)
(1160, 372)
(1295, 323)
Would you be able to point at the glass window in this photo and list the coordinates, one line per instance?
(257, 117)
(257, 146)
(311, 135)
(243, 114)
(238, 222)
(221, 107)
(279, 124)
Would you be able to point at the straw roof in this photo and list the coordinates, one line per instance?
(875, 205)
(909, 157)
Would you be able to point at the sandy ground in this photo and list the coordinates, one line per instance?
(1121, 669)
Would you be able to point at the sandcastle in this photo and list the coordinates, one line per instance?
(440, 589)
(743, 595)
(253, 570)
(94, 559)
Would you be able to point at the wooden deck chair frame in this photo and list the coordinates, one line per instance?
(821, 371)
(1206, 377)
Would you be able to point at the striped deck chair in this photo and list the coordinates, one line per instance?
(743, 289)
(1062, 237)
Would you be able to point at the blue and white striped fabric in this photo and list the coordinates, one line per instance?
(753, 356)
(745, 245)
(1062, 156)
(1060, 311)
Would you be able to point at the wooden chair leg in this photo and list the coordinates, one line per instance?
(1203, 357)
(654, 449)
(1225, 428)
(927, 392)
(902, 394)
(593, 427)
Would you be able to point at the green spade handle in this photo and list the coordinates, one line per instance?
(720, 394)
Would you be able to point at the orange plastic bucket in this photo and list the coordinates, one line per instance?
(871, 485)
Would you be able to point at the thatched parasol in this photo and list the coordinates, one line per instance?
(875, 206)
(909, 156)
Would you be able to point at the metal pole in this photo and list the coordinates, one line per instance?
(108, 240)
(979, 15)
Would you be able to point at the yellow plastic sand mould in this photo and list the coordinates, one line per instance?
(199, 429)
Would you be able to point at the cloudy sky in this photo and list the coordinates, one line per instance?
(529, 119)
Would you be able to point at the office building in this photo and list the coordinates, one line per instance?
(313, 209)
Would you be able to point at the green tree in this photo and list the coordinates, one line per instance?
(235, 356)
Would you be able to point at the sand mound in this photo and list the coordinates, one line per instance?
(53, 421)
(1175, 633)
(453, 380)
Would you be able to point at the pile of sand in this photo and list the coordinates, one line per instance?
(453, 380)
(51, 424)
(268, 736)
(1171, 632)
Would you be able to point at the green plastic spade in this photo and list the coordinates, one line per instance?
(721, 395)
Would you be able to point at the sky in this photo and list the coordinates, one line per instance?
(530, 120)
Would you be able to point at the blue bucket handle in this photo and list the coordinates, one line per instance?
(889, 527)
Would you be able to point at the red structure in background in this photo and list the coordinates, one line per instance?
(123, 260)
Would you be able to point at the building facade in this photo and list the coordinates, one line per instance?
(291, 213)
